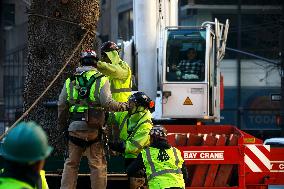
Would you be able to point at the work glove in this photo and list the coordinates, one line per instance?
(117, 146)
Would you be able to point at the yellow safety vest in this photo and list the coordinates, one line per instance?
(137, 137)
(121, 90)
(80, 105)
(11, 183)
(163, 174)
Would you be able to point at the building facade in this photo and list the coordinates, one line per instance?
(14, 58)
(116, 20)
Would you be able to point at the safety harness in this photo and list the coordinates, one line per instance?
(84, 84)
(83, 143)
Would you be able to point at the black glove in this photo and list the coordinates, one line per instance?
(117, 146)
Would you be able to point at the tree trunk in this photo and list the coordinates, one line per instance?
(55, 28)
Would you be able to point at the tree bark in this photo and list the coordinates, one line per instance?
(55, 28)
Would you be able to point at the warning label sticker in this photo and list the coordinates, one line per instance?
(249, 140)
(187, 101)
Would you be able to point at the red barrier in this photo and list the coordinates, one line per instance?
(225, 171)
(223, 157)
(212, 172)
(200, 172)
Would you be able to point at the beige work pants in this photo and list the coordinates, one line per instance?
(96, 161)
(137, 183)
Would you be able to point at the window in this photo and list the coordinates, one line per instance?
(185, 57)
(191, 12)
(14, 78)
(262, 2)
(253, 29)
(8, 14)
(183, 2)
(260, 34)
(125, 25)
(216, 2)
(235, 2)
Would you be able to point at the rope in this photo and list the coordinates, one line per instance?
(56, 19)
(61, 20)
(48, 87)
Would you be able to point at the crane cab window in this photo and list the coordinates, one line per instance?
(185, 55)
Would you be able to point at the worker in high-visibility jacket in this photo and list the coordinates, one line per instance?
(84, 99)
(135, 127)
(24, 150)
(42, 183)
(165, 168)
(118, 71)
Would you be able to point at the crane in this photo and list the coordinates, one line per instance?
(159, 44)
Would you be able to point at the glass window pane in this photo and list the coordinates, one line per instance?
(235, 2)
(125, 23)
(8, 14)
(186, 55)
(260, 110)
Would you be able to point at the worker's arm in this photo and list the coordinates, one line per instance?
(63, 109)
(140, 140)
(174, 67)
(135, 166)
(108, 103)
(179, 65)
(115, 71)
(114, 118)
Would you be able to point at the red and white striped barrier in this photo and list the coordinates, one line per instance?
(257, 158)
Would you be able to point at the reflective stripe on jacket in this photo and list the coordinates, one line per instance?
(134, 131)
(121, 90)
(44, 184)
(166, 173)
(80, 105)
(11, 183)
